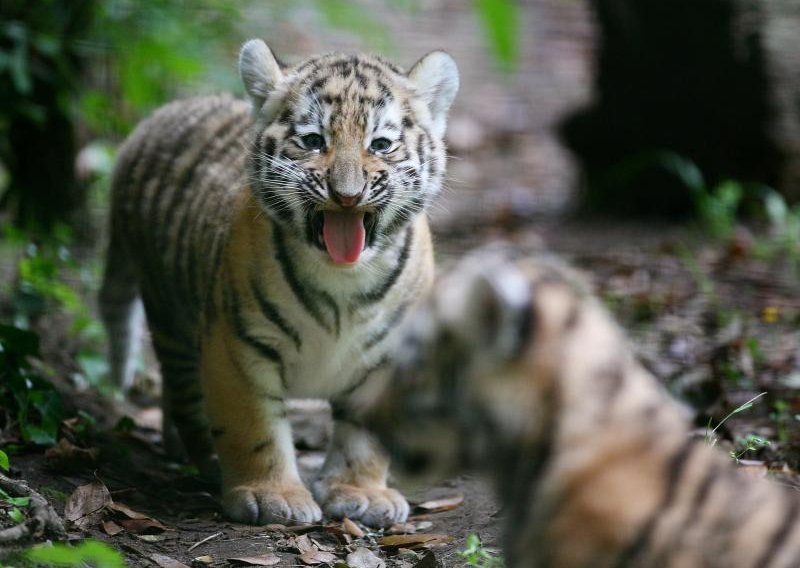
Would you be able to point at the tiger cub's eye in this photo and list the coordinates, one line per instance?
(380, 145)
(313, 141)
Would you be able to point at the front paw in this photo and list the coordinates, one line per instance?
(373, 506)
(264, 503)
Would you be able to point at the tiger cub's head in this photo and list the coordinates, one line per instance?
(476, 364)
(347, 150)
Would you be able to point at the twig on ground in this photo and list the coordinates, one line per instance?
(196, 544)
(41, 516)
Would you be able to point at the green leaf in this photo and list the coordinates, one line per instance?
(93, 551)
(4, 463)
(16, 515)
(500, 20)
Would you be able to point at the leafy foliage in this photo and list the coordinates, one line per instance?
(89, 552)
(35, 402)
(474, 554)
(501, 20)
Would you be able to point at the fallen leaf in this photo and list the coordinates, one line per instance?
(314, 557)
(268, 559)
(111, 528)
(151, 537)
(364, 558)
(205, 559)
(126, 511)
(67, 456)
(166, 561)
(85, 506)
(412, 541)
(304, 544)
(319, 542)
(142, 526)
(351, 528)
(440, 505)
(134, 521)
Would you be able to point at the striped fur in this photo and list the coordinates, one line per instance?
(217, 227)
(514, 369)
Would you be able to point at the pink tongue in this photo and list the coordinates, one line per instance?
(343, 233)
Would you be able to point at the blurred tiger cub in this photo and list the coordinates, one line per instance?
(514, 368)
(276, 246)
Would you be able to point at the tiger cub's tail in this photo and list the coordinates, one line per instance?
(122, 313)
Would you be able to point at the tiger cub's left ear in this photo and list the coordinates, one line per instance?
(259, 70)
(436, 79)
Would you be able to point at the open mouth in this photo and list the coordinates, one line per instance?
(343, 234)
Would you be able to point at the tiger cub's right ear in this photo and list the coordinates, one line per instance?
(259, 70)
(489, 307)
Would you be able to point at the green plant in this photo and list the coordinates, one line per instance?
(4, 463)
(89, 552)
(784, 224)
(710, 437)
(49, 279)
(781, 417)
(749, 443)
(14, 504)
(474, 554)
(500, 20)
(31, 398)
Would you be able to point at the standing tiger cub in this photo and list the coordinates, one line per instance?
(513, 368)
(275, 247)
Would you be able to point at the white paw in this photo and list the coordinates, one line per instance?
(264, 503)
(375, 507)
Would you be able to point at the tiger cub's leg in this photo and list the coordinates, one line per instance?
(185, 429)
(122, 313)
(260, 481)
(353, 479)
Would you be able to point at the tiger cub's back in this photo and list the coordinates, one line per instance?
(172, 191)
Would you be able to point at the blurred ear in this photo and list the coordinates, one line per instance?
(490, 310)
(436, 79)
(259, 70)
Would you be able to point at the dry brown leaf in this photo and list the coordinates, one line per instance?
(67, 456)
(142, 526)
(364, 558)
(134, 521)
(320, 544)
(85, 506)
(304, 544)
(351, 528)
(440, 505)
(126, 511)
(314, 557)
(111, 528)
(268, 559)
(166, 561)
(413, 540)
